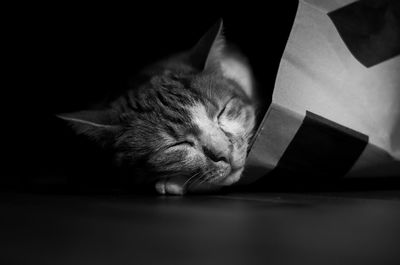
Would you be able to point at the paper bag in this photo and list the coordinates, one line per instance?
(336, 102)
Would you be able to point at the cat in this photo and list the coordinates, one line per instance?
(186, 124)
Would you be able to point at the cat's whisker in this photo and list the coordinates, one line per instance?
(201, 179)
(161, 125)
(190, 184)
(189, 179)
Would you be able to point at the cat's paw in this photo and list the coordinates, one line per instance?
(170, 186)
(177, 186)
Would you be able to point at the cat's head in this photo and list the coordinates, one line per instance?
(192, 118)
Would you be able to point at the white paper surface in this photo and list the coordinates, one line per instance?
(318, 73)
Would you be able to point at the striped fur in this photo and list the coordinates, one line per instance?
(186, 125)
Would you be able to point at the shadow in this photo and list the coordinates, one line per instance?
(370, 29)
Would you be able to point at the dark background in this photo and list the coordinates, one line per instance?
(60, 57)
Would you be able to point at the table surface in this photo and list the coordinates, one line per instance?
(234, 228)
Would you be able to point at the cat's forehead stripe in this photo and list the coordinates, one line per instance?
(200, 117)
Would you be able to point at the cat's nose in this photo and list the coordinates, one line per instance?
(216, 155)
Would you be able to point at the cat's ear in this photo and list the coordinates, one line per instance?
(207, 52)
(99, 125)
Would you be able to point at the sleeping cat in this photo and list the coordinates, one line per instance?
(186, 125)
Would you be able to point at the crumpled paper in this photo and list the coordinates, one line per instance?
(336, 101)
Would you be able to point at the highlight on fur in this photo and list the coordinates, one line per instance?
(187, 125)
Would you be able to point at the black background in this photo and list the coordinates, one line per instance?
(60, 57)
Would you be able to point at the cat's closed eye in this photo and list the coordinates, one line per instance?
(222, 111)
(187, 118)
(186, 143)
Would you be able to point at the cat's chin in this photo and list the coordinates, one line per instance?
(233, 177)
(176, 185)
(215, 185)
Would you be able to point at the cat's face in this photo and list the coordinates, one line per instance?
(189, 125)
(191, 120)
